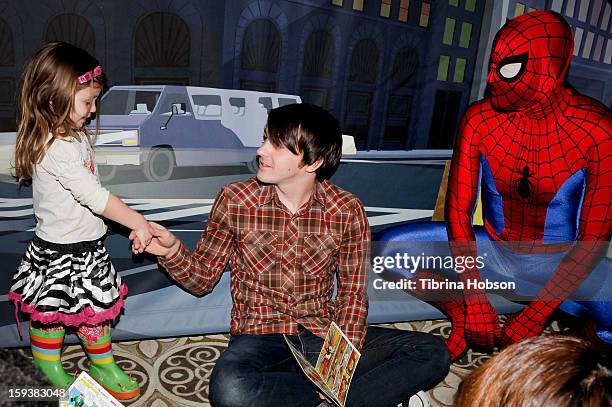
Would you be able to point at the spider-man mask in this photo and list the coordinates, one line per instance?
(529, 61)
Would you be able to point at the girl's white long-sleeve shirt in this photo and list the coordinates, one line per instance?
(67, 194)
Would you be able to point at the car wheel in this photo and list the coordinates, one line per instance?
(159, 164)
(106, 172)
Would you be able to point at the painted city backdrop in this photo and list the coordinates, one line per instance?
(397, 73)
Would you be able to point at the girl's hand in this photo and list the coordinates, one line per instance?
(142, 238)
(136, 245)
(162, 244)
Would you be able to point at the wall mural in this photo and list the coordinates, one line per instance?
(190, 83)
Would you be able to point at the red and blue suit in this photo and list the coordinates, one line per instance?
(540, 154)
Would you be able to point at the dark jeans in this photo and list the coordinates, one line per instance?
(259, 370)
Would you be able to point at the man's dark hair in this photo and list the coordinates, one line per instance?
(307, 129)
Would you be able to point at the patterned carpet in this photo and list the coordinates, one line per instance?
(174, 372)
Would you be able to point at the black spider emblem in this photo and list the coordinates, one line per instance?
(525, 187)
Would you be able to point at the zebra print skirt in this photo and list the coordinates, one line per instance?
(68, 284)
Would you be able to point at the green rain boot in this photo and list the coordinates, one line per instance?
(46, 349)
(105, 371)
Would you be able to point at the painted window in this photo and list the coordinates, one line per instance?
(588, 44)
(357, 123)
(460, 64)
(7, 47)
(449, 31)
(397, 125)
(606, 17)
(319, 55)
(608, 57)
(238, 106)
(358, 5)
(443, 67)
(425, 11)
(405, 68)
(359, 102)
(577, 40)
(584, 10)
(7, 90)
(120, 102)
(162, 40)
(364, 62)
(261, 47)
(519, 8)
(569, 9)
(208, 105)
(73, 29)
(385, 8)
(466, 35)
(266, 101)
(315, 96)
(596, 12)
(403, 10)
(556, 5)
(598, 48)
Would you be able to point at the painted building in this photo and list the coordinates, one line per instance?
(397, 73)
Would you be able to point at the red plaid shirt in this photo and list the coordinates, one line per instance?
(282, 264)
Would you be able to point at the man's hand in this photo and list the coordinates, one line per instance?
(163, 243)
(481, 324)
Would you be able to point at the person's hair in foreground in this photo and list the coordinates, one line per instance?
(544, 371)
(307, 129)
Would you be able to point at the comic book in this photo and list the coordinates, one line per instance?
(335, 365)
(86, 392)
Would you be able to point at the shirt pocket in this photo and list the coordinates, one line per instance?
(260, 256)
(319, 254)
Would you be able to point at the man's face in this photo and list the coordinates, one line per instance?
(84, 104)
(279, 166)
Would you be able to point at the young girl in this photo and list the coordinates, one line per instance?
(65, 277)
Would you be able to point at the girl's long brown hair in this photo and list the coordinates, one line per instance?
(46, 98)
(545, 371)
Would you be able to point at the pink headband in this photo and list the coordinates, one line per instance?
(89, 75)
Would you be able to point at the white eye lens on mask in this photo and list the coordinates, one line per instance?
(509, 71)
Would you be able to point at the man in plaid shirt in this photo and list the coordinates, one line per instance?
(285, 234)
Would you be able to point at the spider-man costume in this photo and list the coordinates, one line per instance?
(541, 155)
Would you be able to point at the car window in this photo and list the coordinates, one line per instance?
(207, 105)
(266, 102)
(286, 101)
(171, 99)
(238, 106)
(128, 102)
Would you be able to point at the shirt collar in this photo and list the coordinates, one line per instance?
(319, 192)
(268, 193)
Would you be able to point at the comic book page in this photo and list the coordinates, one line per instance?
(335, 365)
(86, 392)
(311, 372)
